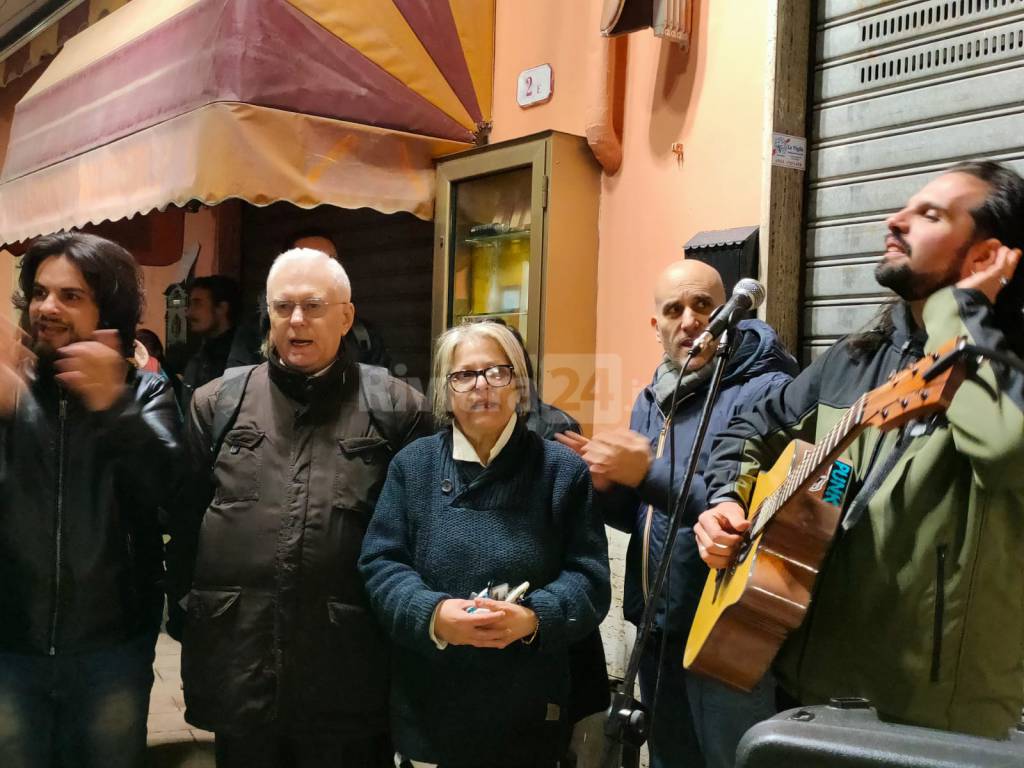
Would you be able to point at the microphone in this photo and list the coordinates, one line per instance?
(748, 294)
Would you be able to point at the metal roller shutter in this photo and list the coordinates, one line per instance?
(902, 89)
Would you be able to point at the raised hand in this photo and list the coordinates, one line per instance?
(577, 443)
(15, 361)
(574, 441)
(994, 278)
(94, 370)
(620, 456)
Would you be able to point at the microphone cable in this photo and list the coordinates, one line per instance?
(669, 510)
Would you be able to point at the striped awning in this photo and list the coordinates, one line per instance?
(46, 41)
(309, 101)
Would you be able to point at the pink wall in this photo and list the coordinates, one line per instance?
(710, 99)
(8, 281)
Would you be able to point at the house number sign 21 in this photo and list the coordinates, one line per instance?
(534, 86)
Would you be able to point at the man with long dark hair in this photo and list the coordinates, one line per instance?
(86, 444)
(919, 606)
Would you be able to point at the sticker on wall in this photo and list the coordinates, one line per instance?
(534, 86)
(789, 151)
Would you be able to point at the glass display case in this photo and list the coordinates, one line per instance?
(516, 240)
(490, 265)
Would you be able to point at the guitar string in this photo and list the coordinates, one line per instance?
(836, 438)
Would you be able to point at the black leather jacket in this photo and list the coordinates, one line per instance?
(80, 546)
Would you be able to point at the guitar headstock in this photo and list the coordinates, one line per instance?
(924, 388)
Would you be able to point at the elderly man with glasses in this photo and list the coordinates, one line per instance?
(281, 657)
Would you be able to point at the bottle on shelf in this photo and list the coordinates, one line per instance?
(489, 229)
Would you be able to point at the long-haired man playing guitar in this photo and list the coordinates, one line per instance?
(920, 604)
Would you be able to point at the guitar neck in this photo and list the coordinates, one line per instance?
(924, 388)
(825, 452)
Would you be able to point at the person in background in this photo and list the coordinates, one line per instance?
(543, 418)
(484, 501)
(87, 443)
(589, 694)
(696, 721)
(212, 307)
(152, 344)
(281, 657)
(151, 355)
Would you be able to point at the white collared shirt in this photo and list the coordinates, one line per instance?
(463, 450)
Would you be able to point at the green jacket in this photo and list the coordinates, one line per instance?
(920, 606)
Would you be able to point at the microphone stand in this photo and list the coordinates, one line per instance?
(627, 726)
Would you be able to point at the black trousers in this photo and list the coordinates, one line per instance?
(273, 749)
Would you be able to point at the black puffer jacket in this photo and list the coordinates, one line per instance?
(277, 627)
(81, 556)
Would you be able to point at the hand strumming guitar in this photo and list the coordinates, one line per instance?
(719, 533)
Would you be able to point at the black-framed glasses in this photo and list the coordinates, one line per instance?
(310, 307)
(496, 376)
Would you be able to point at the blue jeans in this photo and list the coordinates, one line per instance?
(82, 710)
(722, 715)
(673, 740)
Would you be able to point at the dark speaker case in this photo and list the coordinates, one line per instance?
(850, 735)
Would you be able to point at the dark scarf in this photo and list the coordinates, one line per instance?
(321, 393)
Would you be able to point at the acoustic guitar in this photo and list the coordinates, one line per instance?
(747, 610)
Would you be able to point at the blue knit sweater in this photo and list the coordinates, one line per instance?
(434, 534)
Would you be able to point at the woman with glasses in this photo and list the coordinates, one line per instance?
(480, 681)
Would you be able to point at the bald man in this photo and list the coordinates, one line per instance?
(696, 721)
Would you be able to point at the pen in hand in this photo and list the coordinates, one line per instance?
(517, 594)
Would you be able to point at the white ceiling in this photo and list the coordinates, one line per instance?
(13, 12)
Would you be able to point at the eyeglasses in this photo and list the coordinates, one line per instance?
(496, 376)
(310, 307)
